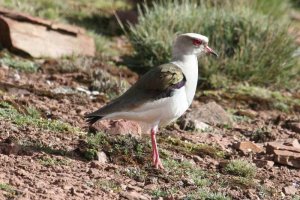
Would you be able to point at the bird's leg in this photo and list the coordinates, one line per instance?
(155, 155)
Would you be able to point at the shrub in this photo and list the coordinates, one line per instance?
(240, 168)
(253, 47)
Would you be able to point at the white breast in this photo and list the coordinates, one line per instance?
(189, 66)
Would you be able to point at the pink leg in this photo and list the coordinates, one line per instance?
(155, 155)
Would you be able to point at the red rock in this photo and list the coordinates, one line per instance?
(287, 158)
(248, 146)
(42, 38)
(290, 190)
(272, 146)
(119, 127)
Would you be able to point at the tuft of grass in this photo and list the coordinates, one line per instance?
(50, 161)
(253, 47)
(108, 185)
(207, 195)
(191, 148)
(8, 112)
(9, 189)
(18, 63)
(122, 149)
(240, 168)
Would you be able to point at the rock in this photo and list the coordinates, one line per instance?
(290, 190)
(287, 158)
(96, 164)
(272, 146)
(10, 146)
(150, 187)
(102, 157)
(133, 195)
(208, 114)
(197, 158)
(293, 125)
(42, 38)
(135, 188)
(247, 147)
(284, 154)
(264, 163)
(188, 182)
(292, 142)
(120, 127)
(248, 113)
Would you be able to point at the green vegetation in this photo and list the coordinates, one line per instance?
(120, 149)
(205, 195)
(9, 189)
(253, 48)
(240, 168)
(21, 64)
(52, 161)
(191, 148)
(108, 185)
(32, 118)
(263, 97)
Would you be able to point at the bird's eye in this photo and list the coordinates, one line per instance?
(197, 42)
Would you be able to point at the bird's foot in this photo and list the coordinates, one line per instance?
(158, 164)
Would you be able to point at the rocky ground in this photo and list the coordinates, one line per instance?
(229, 146)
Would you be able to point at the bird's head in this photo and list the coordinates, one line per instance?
(192, 43)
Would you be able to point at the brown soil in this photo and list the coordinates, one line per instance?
(46, 164)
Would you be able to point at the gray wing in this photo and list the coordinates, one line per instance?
(159, 82)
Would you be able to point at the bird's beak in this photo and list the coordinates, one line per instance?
(210, 51)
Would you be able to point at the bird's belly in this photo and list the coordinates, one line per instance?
(164, 110)
(157, 112)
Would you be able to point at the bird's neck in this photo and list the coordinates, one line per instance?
(189, 66)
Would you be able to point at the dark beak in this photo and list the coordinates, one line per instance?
(211, 51)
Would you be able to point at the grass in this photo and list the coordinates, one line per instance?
(253, 47)
(11, 192)
(240, 168)
(52, 161)
(263, 97)
(18, 63)
(33, 118)
(108, 185)
(191, 148)
(124, 150)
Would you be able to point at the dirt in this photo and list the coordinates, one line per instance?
(45, 164)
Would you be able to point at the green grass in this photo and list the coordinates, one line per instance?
(9, 189)
(253, 47)
(240, 168)
(108, 185)
(18, 63)
(121, 149)
(191, 148)
(51, 161)
(265, 98)
(33, 118)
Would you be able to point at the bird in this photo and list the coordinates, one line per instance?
(163, 93)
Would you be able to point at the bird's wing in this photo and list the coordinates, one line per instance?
(159, 82)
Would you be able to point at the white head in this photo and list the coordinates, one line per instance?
(192, 44)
